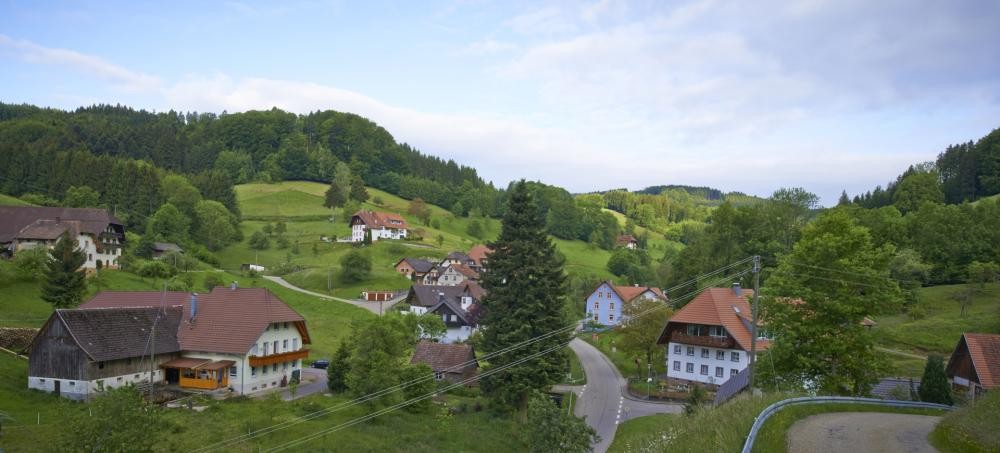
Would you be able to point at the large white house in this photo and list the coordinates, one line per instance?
(383, 225)
(246, 340)
(458, 306)
(708, 340)
(100, 235)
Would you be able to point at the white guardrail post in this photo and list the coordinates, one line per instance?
(774, 408)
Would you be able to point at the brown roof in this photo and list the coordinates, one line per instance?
(418, 265)
(380, 219)
(43, 229)
(111, 334)
(479, 252)
(466, 271)
(15, 218)
(430, 295)
(451, 358)
(985, 352)
(720, 307)
(227, 320)
(625, 239)
(628, 293)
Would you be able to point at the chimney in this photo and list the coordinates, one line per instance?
(737, 290)
(440, 297)
(194, 305)
(233, 286)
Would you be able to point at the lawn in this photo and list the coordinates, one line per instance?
(723, 428)
(972, 428)
(607, 341)
(7, 200)
(938, 332)
(183, 430)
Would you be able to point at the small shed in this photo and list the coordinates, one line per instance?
(377, 296)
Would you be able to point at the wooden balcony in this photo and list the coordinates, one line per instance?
(278, 358)
(699, 340)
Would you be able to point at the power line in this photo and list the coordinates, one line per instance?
(414, 400)
(404, 385)
(836, 280)
(852, 273)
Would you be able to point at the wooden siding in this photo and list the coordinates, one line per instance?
(55, 354)
(678, 334)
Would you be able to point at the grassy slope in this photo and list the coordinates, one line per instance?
(184, 430)
(939, 331)
(299, 203)
(710, 429)
(626, 366)
(972, 428)
(7, 200)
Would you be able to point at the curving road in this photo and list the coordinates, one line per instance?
(862, 432)
(602, 400)
(370, 306)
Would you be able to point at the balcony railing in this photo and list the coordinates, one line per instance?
(699, 340)
(278, 358)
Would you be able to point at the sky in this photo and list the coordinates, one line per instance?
(741, 96)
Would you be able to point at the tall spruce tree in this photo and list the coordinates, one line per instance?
(65, 280)
(525, 298)
(934, 387)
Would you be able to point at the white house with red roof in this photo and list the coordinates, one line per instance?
(709, 339)
(604, 305)
(245, 339)
(383, 225)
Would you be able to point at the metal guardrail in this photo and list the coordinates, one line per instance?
(774, 408)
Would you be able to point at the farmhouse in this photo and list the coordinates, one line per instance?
(246, 340)
(162, 248)
(709, 340)
(479, 254)
(454, 258)
(458, 306)
(100, 235)
(451, 362)
(604, 304)
(413, 268)
(457, 274)
(975, 363)
(628, 241)
(382, 225)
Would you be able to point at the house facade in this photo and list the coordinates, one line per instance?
(414, 268)
(458, 306)
(382, 225)
(98, 234)
(709, 339)
(605, 304)
(245, 340)
(457, 274)
(975, 363)
(480, 254)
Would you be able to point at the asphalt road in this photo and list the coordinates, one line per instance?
(601, 400)
(860, 432)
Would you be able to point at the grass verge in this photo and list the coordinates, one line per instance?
(970, 429)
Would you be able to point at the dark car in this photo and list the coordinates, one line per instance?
(321, 363)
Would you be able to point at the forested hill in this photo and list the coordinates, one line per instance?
(46, 151)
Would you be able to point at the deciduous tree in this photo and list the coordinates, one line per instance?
(551, 429)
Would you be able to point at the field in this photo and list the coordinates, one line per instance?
(972, 428)
(33, 416)
(938, 332)
(12, 201)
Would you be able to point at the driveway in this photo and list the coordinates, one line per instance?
(313, 380)
(602, 399)
(373, 307)
(860, 432)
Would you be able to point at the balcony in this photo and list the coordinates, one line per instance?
(699, 340)
(278, 358)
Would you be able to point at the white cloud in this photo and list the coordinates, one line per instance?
(120, 77)
(489, 47)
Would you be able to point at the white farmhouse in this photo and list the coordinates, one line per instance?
(383, 225)
(100, 235)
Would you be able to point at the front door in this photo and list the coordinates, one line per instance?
(173, 375)
(58, 388)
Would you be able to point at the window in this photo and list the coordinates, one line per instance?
(689, 367)
(677, 349)
(697, 330)
(611, 306)
(72, 383)
(677, 365)
(454, 318)
(285, 325)
(284, 344)
(253, 371)
(733, 372)
(718, 371)
(295, 344)
(266, 346)
(232, 371)
(690, 350)
(734, 356)
(704, 353)
(595, 317)
(253, 351)
(275, 346)
(720, 355)
(119, 379)
(611, 317)
(284, 365)
(438, 375)
(704, 370)
(100, 365)
(263, 369)
(274, 367)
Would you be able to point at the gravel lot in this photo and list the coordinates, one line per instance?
(858, 432)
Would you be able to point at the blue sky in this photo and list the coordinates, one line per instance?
(750, 96)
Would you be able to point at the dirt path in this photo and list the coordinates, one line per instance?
(859, 432)
(901, 353)
(370, 306)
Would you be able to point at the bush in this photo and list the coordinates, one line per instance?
(213, 279)
(29, 264)
(355, 266)
(259, 241)
(153, 269)
(200, 252)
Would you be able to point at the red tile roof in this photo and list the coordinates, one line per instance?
(985, 352)
(628, 293)
(374, 219)
(721, 307)
(626, 239)
(479, 253)
(227, 320)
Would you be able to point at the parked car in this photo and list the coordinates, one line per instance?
(321, 363)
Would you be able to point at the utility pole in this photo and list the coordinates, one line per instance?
(753, 322)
